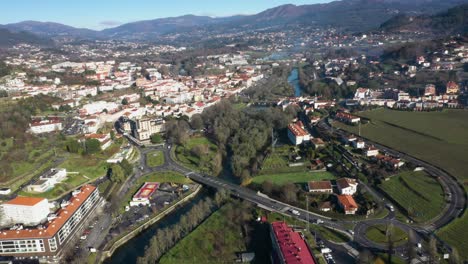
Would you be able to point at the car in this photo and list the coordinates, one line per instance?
(351, 232)
(83, 237)
(294, 212)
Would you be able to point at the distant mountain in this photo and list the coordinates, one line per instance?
(455, 20)
(50, 29)
(354, 15)
(8, 38)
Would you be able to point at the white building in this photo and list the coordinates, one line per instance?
(371, 152)
(46, 126)
(297, 134)
(146, 127)
(48, 180)
(26, 210)
(347, 186)
(359, 144)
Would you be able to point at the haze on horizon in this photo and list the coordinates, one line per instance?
(110, 13)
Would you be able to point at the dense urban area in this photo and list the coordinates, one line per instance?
(253, 139)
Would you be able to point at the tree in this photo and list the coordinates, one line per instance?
(73, 146)
(288, 192)
(92, 146)
(196, 122)
(433, 248)
(124, 101)
(267, 187)
(365, 257)
(112, 134)
(390, 233)
(455, 257)
(156, 138)
(127, 167)
(411, 248)
(116, 173)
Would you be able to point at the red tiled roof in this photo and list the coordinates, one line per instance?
(320, 185)
(53, 226)
(347, 201)
(292, 246)
(146, 190)
(297, 130)
(26, 201)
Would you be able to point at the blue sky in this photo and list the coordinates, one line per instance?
(99, 14)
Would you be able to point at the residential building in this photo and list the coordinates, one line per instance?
(289, 246)
(347, 118)
(48, 180)
(317, 143)
(358, 144)
(325, 206)
(320, 187)
(146, 127)
(297, 134)
(348, 204)
(430, 90)
(25, 210)
(142, 197)
(452, 88)
(104, 139)
(371, 152)
(347, 186)
(46, 125)
(47, 241)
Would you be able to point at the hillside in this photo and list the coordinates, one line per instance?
(354, 15)
(8, 38)
(452, 21)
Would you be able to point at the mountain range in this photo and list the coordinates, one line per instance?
(353, 15)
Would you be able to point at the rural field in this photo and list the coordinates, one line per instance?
(293, 177)
(421, 196)
(436, 137)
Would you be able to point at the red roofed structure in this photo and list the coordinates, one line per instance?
(142, 197)
(46, 242)
(348, 204)
(289, 246)
(297, 134)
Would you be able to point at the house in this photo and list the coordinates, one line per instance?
(348, 204)
(452, 88)
(325, 206)
(347, 186)
(48, 180)
(348, 140)
(317, 143)
(320, 187)
(430, 90)
(347, 118)
(316, 164)
(390, 162)
(371, 151)
(297, 133)
(358, 144)
(47, 125)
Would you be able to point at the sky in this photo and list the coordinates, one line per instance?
(100, 14)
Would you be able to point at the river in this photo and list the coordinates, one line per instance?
(293, 79)
(134, 248)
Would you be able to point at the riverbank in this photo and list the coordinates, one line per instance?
(111, 247)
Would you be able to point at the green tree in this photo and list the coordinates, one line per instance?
(196, 122)
(124, 101)
(92, 146)
(156, 138)
(127, 167)
(73, 146)
(116, 173)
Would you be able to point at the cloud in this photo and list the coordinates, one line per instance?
(109, 23)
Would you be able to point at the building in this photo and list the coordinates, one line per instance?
(289, 246)
(320, 187)
(104, 139)
(142, 197)
(347, 118)
(371, 152)
(48, 180)
(347, 186)
(46, 125)
(325, 206)
(47, 241)
(348, 204)
(25, 210)
(430, 90)
(297, 134)
(452, 88)
(146, 127)
(358, 144)
(317, 143)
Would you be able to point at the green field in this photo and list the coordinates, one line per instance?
(378, 233)
(419, 194)
(155, 158)
(208, 161)
(294, 177)
(436, 137)
(215, 241)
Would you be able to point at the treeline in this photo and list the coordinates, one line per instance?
(4, 69)
(87, 147)
(272, 87)
(167, 237)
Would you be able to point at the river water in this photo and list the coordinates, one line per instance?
(293, 79)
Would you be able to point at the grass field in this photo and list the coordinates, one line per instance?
(419, 194)
(294, 177)
(155, 158)
(436, 137)
(205, 163)
(211, 242)
(377, 234)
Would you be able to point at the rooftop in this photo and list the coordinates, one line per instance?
(25, 201)
(292, 246)
(320, 185)
(347, 201)
(146, 190)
